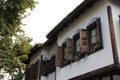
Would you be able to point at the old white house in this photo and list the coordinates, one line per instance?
(85, 45)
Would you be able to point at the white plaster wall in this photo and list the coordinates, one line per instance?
(47, 52)
(52, 50)
(96, 60)
(43, 78)
(51, 76)
(116, 13)
(35, 57)
(116, 77)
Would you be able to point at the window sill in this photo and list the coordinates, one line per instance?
(98, 49)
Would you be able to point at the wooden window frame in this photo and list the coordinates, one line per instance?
(77, 55)
(68, 46)
(65, 62)
(75, 38)
(97, 26)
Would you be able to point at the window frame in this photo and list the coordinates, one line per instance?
(75, 38)
(97, 26)
(64, 62)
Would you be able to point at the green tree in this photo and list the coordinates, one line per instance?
(13, 52)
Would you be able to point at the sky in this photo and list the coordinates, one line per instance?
(46, 15)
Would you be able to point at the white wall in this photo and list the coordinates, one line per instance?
(35, 57)
(116, 13)
(51, 76)
(96, 60)
(43, 78)
(47, 52)
(52, 50)
(116, 77)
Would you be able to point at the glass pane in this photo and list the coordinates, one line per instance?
(93, 32)
(93, 40)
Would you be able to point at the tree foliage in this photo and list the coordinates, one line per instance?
(13, 51)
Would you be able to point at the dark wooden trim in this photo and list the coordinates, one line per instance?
(111, 77)
(112, 35)
(102, 72)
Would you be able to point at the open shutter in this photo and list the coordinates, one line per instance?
(59, 57)
(69, 45)
(99, 38)
(83, 41)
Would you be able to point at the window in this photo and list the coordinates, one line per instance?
(76, 44)
(48, 66)
(85, 41)
(67, 51)
(65, 62)
(94, 36)
(77, 48)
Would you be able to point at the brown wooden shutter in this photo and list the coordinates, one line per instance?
(47, 67)
(83, 41)
(69, 46)
(36, 69)
(99, 38)
(53, 64)
(40, 68)
(59, 57)
(32, 71)
(27, 73)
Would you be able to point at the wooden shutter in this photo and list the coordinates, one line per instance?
(69, 45)
(36, 69)
(32, 71)
(98, 28)
(40, 68)
(47, 67)
(83, 41)
(27, 73)
(59, 57)
(53, 64)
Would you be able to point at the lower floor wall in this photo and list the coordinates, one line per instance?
(109, 77)
(43, 78)
(111, 72)
(51, 76)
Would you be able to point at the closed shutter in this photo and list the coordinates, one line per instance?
(83, 41)
(59, 57)
(40, 68)
(99, 38)
(53, 64)
(36, 69)
(32, 71)
(69, 45)
(27, 73)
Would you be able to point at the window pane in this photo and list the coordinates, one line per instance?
(93, 32)
(65, 51)
(93, 40)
